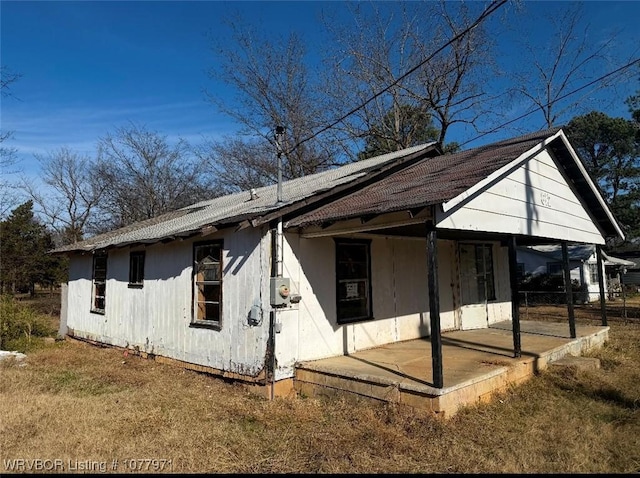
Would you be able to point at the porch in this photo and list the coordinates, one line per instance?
(476, 364)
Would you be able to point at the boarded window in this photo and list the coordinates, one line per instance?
(98, 293)
(476, 273)
(207, 281)
(353, 280)
(136, 269)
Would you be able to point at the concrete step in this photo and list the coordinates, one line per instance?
(579, 363)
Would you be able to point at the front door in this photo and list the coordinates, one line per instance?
(476, 284)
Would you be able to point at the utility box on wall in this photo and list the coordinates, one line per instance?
(280, 291)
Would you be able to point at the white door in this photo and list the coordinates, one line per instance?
(476, 285)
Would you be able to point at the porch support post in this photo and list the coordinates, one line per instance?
(434, 307)
(603, 307)
(568, 289)
(515, 297)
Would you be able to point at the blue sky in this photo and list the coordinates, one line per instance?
(89, 67)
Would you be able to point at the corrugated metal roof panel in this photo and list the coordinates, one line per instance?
(191, 219)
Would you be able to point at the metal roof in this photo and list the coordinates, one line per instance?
(428, 182)
(439, 179)
(577, 252)
(236, 207)
(403, 180)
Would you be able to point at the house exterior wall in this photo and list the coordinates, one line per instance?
(399, 300)
(534, 200)
(157, 318)
(632, 277)
(535, 263)
(399, 288)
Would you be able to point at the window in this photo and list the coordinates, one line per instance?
(99, 283)
(476, 266)
(353, 283)
(554, 268)
(136, 269)
(593, 273)
(207, 283)
(520, 271)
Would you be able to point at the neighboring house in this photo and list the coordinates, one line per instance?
(247, 287)
(631, 277)
(583, 266)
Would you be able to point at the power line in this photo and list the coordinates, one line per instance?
(488, 11)
(535, 110)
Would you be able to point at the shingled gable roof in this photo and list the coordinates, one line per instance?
(446, 180)
(232, 209)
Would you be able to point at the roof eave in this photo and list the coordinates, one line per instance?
(341, 190)
(591, 184)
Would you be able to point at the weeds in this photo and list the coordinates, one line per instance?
(21, 327)
(77, 402)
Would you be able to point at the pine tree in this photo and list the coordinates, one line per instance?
(24, 247)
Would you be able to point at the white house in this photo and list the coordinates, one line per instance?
(396, 247)
(583, 265)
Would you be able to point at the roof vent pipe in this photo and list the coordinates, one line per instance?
(279, 135)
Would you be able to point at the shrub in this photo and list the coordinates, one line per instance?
(20, 325)
(549, 289)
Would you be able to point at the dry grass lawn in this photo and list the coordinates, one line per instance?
(80, 403)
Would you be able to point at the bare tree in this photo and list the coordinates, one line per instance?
(142, 175)
(274, 87)
(448, 62)
(329, 114)
(7, 78)
(456, 84)
(69, 208)
(238, 164)
(8, 155)
(568, 61)
(8, 167)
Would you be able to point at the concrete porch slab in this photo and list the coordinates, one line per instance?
(476, 364)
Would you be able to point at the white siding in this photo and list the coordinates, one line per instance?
(399, 295)
(157, 317)
(500, 309)
(533, 200)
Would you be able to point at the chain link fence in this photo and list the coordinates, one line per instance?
(545, 305)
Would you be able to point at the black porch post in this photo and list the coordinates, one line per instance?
(434, 307)
(568, 289)
(603, 307)
(515, 297)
